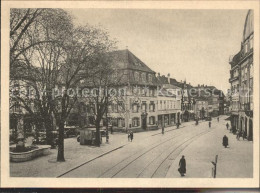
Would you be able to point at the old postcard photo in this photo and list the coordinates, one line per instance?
(130, 94)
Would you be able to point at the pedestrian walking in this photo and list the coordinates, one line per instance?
(239, 134)
(244, 135)
(111, 129)
(218, 119)
(131, 135)
(182, 166)
(227, 125)
(209, 124)
(225, 141)
(162, 129)
(234, 130)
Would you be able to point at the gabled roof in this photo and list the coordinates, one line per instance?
(125, 59)
(163, 80)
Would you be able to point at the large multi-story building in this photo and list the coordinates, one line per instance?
(140, 101)
(241, 80)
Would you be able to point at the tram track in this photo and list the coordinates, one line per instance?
(187, 142)
(156, 158)
(118, 167)
(146, 152)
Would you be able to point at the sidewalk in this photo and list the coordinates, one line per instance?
(233, 162)
(76, 155)
(237, 160)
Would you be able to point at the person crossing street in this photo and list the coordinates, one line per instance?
(227, 125)
(225, 141)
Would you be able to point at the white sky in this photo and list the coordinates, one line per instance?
(191, 44)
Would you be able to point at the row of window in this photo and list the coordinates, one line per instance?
(186, 107)
(143, 91)
(136, 121)
(168, 104)
(142, 76)
(136, 107)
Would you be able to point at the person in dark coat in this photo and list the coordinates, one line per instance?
(111, 129)
(182, 166)
(227, 125)
(225, 141)
(162, 129)
(131, 135)
(209, 124)
(218, 119)
(244, 135)
(239, 134)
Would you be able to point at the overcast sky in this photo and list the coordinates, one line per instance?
(189, 44)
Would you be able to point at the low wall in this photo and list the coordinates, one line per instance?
(29, 155)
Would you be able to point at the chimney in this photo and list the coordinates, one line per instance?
(158, 74)
(198, 85)
(168, 76)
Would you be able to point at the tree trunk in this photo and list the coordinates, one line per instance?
(48, 127)
(37, 130)
(60, 157)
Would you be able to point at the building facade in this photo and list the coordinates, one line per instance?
(169, 102)
(201, 108)
(241, 81)
(137, 110)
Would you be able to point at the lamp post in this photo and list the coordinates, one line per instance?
(214, 170)
(107, 133)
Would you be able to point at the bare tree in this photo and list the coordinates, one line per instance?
(86, 47)
(104, 89)
(61, 58)
(36, 37)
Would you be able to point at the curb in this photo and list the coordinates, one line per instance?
(91, 160)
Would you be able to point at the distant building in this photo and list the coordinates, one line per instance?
(214, 98)
(187, 100)
(241, 81)
(201, 108)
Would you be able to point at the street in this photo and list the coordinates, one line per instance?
(157, 155)
(150, 155)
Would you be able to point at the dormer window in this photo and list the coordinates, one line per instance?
(150, 78)
(136, 75)
(143, 77)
